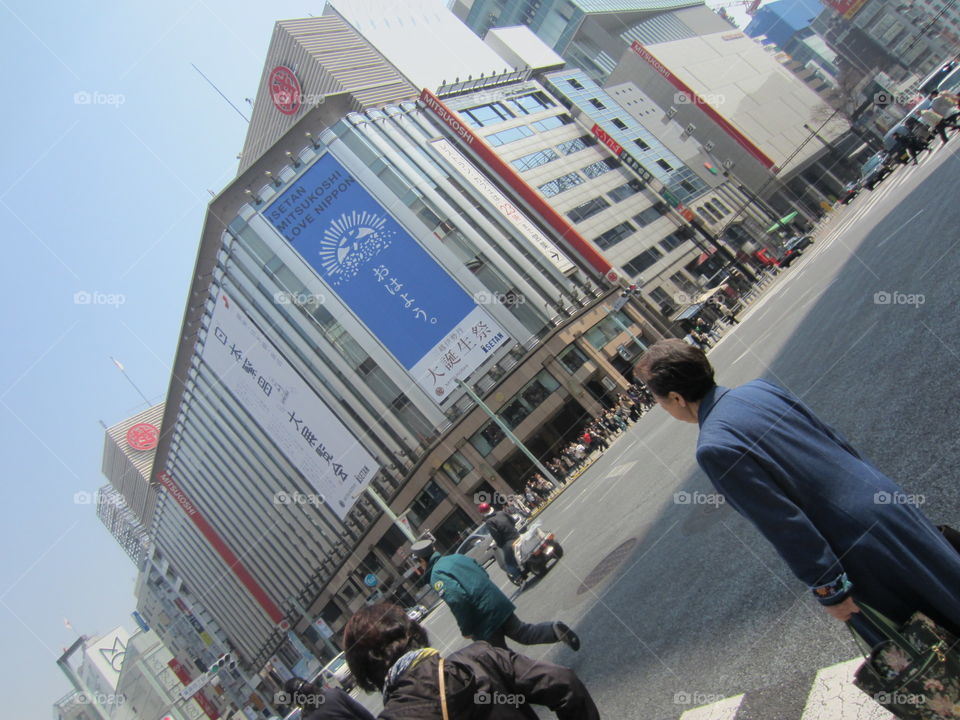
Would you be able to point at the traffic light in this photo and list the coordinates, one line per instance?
(224, 661)
(710, 166)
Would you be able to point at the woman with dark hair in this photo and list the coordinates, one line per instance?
(388, 651)
(844, 528)
(322, 703)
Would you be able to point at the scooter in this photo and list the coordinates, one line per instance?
(534, 551)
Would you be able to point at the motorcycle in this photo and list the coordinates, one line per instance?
(534, 551)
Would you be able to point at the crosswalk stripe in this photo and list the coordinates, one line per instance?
(834, 696)
(723, 710)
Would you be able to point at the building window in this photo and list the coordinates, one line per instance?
(532, 103)
(626, 190)
(687, 186)
(483, 115)
(619, 123)
(552, 122)
(607, 329)
(572, 358)
(595, 170)
(588, 209)
(425, 503)
(642, 261)
(723, 208)
(662, 298)
(572, 146)
(685, 284)
(652, 213)
(557, 186)
(456, 467)
(487, 438)
(535, 159)
(614, 235)
(664, 164)
(641, 144)
(575, 84)
(672, 241)
(597, 104)
(508, 136)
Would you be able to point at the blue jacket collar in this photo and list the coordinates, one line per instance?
(709, 401)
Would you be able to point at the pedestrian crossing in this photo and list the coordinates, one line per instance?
(828, 694)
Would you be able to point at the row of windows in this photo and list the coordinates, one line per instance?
(522, 131)
(558, 185)
(498, 112)
(588, 209)
(542, 157)
(515, 411)
(642, 261)
(713, 210)
(651, 214)
(608, 328)
(611, 237)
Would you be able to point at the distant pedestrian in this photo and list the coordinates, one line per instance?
(844, 528)
(389, 653)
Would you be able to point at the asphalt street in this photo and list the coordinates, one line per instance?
(679, 601)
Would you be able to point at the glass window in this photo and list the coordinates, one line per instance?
(456, 467)
(642, 261)
(641, 144)
(572, 358)
(515, 412)
(651, 214)
(425, 503)
(487, 438)
(532, 103)
(572, 146)
(552, 122)
(625, 190)
(723, 208)
(664, 164)
(619, 123)
(662, 298)
(672, 242)
(536, 159)
(607, 329)
(557, 186)
(597, 104)
(588, 209)
(575, 84)
(614, 235)
(596, 169)
(508, 136)
(483, 115)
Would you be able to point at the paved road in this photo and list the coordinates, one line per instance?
(680, 605)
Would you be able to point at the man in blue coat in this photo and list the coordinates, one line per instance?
(844, 528)
(480, 608)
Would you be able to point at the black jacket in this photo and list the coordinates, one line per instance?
(338, 705)
(502, 529)
(488, 683)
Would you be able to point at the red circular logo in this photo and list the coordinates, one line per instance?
(285, 90)
(143, 436)
(612, 275)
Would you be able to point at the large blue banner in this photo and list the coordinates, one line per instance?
(391, 283)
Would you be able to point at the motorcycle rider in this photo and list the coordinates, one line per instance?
(480, 608)
(504, 533)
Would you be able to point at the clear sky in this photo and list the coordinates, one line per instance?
(110, 142)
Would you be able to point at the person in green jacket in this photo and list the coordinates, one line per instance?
(480, 608)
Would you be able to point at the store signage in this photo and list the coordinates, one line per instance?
(285, 90)
(143, 436)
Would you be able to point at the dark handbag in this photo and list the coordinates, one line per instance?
(950, 535)
(915, 672)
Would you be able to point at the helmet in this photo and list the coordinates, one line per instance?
(485, 508)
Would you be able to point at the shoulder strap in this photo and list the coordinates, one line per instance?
(443, 692)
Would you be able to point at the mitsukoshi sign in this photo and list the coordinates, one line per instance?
(407, 300)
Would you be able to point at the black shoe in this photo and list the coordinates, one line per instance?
(567, 636)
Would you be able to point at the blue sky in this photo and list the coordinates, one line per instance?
(110, 142)
(108, 197)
